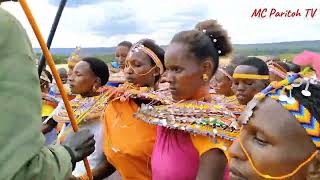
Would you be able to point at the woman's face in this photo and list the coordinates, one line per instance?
(121, 55)
(184, 72)
(82, 79)
(275, 141)
(245, 89)
(139, 70)
(222, 84)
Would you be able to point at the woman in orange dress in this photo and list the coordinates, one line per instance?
(128, 142)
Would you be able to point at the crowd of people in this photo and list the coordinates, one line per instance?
(171, 113)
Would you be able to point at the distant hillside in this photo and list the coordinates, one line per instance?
(246, 49)
(277, 48)
(84, 51)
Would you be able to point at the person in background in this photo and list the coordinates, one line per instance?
(22, 152)
(116, 68)
(73, 60)
(222, 80)
(63, 75)
(49, 103)
(88, 75)
(249, 78)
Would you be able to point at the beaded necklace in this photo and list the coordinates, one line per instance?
(196, 117)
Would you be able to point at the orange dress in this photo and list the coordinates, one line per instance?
(128, 142)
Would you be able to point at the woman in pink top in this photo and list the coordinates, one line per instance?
(191, 59)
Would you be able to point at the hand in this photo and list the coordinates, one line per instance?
(79, 145)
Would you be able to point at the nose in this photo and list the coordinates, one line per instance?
(128, 69)
(241, 87)
(169, 76)
(71, 77)
(236, 152)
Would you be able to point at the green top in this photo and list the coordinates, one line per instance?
(22, 151)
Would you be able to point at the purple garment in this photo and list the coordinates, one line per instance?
(174, 156)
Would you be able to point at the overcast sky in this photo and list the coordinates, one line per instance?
(104, 23)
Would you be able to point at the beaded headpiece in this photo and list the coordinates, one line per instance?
(75, 57)
(140, 47)
(276, 90)
(225, 73)
(277, 69)
(250, 76)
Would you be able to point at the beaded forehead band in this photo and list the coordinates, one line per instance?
(225, 73)
(137, 47)
(250, 76)
(277, 69)
(276, 91)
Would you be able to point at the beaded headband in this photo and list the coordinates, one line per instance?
(250, 76)
(225, 73)
(74, 58)
(301, 113)
(277, 69)
(277, 72)
(150, 53)
(276, 90)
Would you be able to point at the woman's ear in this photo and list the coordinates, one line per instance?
(207, 67)
(156, 72)
(98, 82)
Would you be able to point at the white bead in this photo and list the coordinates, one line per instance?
(214, 40)
(219, 52)
(306, 93)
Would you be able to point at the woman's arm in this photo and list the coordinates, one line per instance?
(212, 165)
(103, 170)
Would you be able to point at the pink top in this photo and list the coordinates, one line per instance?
(176, 154)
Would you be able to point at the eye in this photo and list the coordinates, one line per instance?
(176, 69)
(250, 83)
(260, 140)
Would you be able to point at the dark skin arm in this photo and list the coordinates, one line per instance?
(51, 124)
(103, 170)
(212, 165)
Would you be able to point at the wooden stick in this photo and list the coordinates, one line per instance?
(51, 64)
